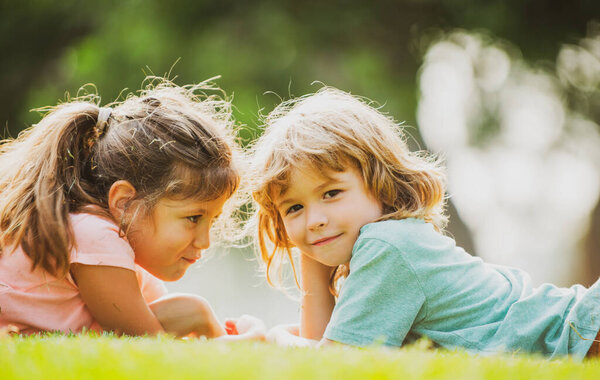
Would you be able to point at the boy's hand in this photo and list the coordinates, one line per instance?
(245, 327)
(289, 335)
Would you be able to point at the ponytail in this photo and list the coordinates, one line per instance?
(44, 175)
(166, 141)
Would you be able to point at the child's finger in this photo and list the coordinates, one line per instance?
(254, 334)
(293, 329)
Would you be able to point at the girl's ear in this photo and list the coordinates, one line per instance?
(119, 195)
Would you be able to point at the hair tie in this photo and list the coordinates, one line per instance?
(103, 115)
(101, 122)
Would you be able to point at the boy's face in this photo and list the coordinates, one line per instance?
(172, 237)
(323, 214)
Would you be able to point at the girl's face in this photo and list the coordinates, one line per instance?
(323, 214)
(172, 237)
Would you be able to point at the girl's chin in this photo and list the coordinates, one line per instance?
(173, 275)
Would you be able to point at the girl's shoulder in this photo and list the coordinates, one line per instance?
(90, 217)
(99, 239)
(90, 222)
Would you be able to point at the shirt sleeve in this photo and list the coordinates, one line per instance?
(379, 301)
(97, 242)
(152, 288)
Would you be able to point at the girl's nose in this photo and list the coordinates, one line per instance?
(202, 239)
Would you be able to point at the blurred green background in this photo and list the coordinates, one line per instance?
(267, 50)
(372, 48)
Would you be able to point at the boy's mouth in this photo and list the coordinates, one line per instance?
(325, 240)
(191, 261)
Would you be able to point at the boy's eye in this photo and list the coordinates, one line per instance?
(293, 209)
(193, 218)
(331, 193)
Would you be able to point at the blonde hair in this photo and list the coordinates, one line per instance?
(167, 141)
(330, 131)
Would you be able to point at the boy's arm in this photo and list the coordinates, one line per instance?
(317, 301)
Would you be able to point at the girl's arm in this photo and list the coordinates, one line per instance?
(114, 298)
(317, 300)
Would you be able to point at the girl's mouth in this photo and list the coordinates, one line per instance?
(326, 240)
(191, 261)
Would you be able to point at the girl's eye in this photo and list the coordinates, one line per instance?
(293, 209)
(331, 193)
(193, 218)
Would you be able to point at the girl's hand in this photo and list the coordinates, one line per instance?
(245, 327)
(187, 315)
(289, 335)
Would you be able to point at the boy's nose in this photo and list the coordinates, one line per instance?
(316, 219)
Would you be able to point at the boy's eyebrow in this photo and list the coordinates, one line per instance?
(279, 204)
(329, 182)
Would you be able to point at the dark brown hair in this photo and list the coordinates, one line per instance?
(167, 141)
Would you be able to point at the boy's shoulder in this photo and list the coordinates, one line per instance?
(407, 241)
(410, 236)
(397, 230)
(403, 242)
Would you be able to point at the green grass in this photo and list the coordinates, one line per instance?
(105, 357)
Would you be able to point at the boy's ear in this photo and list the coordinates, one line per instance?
(119, 195)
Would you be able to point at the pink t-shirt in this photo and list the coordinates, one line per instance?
(37, 301)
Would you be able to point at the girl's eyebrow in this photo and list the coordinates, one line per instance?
(197, 210)
(190, 209)
(202, 211)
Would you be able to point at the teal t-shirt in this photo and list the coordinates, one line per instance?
(407, 280)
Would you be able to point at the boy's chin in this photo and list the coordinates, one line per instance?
(331, 263)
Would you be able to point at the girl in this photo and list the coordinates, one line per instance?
(335, 179)
(98, 204)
